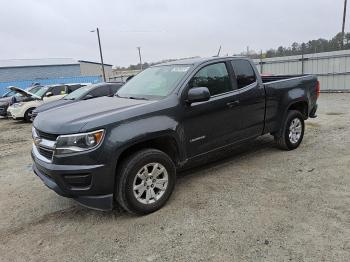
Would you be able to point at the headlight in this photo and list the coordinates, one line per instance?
(67, 144)
(15, 105)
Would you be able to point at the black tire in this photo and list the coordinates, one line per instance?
(27, 115)
(128, 170)
(282, 138)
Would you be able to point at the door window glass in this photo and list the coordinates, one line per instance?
(72, 88)
(244, 72)
(58, 90)
(215, 77)
(100, 91)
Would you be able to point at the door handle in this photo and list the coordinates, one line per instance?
(233, 104)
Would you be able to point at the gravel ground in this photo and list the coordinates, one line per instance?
(257, 204)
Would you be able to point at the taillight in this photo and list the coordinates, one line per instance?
(318, 89)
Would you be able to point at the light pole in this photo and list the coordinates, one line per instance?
(139, 48)
(99, 45)
(343, 27)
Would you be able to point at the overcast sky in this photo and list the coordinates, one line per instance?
(164, 29)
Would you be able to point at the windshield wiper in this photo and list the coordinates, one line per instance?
(137, 98)
(131, 97)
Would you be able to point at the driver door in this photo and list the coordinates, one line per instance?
(211, 124)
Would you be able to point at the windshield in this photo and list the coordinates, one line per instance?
(35, 89)
(10, 93)
(155, 82)
(40, 91)
(78, 93)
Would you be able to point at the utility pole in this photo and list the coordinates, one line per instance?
(343, 27)
(261, 61)
(139, 48)
(218, 54)
(101, 56)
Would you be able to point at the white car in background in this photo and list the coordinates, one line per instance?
(23, 110)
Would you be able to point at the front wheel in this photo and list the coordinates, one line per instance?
(145, 181)
(292, 131)
(28, 115)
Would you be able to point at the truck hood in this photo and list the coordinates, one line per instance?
(23, 92)
(73, 117)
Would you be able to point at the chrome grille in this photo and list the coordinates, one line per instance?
(45, 143)
(47, 153)
(47, 136)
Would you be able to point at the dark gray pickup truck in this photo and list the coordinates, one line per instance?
(126, 149)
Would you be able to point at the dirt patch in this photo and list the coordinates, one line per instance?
(255, 204)
(313, 124)
(334, 113)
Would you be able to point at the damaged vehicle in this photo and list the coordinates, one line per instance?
(13, 97)
(45, 94)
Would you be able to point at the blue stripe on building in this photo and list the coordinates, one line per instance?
(60, 80)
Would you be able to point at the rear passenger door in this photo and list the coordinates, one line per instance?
(251, 96)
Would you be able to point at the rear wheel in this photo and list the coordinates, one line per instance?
(292, 131)
(145, 181)
(28, 115)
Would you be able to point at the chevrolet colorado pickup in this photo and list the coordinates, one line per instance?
(127, 149)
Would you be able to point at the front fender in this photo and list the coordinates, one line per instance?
(128, 134)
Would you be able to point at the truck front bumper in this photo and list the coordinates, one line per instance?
(74, 181)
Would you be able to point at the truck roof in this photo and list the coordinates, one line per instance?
(197, 60)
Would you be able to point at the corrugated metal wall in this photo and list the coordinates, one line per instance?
(52, 81)
(37, 72)
(332, 68)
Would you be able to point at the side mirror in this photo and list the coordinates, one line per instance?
(87, 97)
(198, 94)
(48, 94)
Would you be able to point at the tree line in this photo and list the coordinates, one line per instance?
(313, 46)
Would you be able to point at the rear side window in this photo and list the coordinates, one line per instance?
(58, 90)
(100, 91)
(73, 88)
(244, 72)
(215, 77)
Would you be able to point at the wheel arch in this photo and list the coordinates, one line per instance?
(302, 106)
(27, 110)
(166, 143)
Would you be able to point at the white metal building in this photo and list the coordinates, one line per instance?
(332, 68)
(32, 69)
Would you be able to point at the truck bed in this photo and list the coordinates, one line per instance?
(281, 89)
(272, 78)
